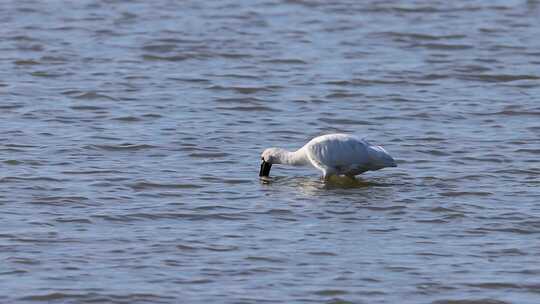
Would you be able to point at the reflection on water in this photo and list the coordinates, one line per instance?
(312, 185)
(131, 133)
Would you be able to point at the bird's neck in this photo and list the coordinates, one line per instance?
(297, 158)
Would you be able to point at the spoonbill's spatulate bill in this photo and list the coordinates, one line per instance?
(333, 154)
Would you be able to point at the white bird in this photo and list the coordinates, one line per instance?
(333, 154)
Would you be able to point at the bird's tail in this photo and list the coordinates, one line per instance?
(379, 156)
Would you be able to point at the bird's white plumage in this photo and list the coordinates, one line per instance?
(334, 154)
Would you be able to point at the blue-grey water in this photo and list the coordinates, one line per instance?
(131, 132)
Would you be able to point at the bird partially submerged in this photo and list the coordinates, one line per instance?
(333, 154)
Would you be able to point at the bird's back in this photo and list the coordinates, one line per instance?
(338, 150)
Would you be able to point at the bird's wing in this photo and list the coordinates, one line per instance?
(338, 152)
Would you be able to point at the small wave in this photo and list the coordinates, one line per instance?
(8, 179)
(505, 252)
(46, 240)
(12, 150)
(185, 247)
(511, 113)
(442, 210)
(190, 80)
(93, 96)
(418, 9)
(343, 95)
(209, 155)
(167, 58)
(58, 200)
(227, 180)
(429, 139)
(160, 48)
(434, 77)
(24, 261)
(120, 147)
(152, 115)
(97, 297)
(505, 286)
(419, 36)
(518, 171)
(530, 230)
(442, 46)
(51, 297)
(12, 162)
(170, 215)
(431, 221)
(35, 47)
(239, 76)
(193, 281)
(265, 259)
(250, 90)
(531, 151)
(241, 90)
(233, 55)
(45, 74)
(11, 106)
(22, 38)
(389, 208)
(87, 108)
(152, 185)
(14, 272)
(54, 59)
(331, 293)
(19, 146)
(249, 109)
(435, 152)
(470, 301)
(26, 62)
(285, 61)
(367, 82)
(345, 121)
(498, 78)
(434, 254)
(322, 253)
(127, 118)
(243, 100)
(74, 220)
(221, 248)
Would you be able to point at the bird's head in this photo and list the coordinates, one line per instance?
(270, 156)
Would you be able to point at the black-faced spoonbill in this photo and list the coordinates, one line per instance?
(333, 154)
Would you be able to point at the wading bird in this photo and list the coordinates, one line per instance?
(333, 154)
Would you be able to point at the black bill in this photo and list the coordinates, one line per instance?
(265, 169)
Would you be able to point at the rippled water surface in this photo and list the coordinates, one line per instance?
(130, 135)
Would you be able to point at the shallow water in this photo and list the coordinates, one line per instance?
(131, 132)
